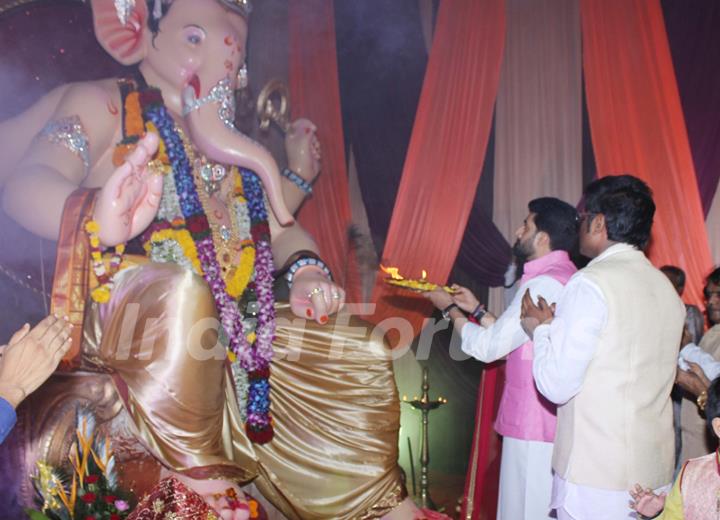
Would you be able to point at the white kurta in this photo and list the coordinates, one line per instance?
(525, 466)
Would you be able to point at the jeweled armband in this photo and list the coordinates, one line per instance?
(303, 262)
(68, 132)
(297, 181)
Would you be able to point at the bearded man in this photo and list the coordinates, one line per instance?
(525, 418)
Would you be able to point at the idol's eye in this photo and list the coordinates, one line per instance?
(194, 34)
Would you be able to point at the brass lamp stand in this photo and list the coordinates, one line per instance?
(425, 405)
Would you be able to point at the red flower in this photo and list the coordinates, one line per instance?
(197, 224)
(110, 499)
(89, 498)
(89, 518)
(92, 479)
(114, 517)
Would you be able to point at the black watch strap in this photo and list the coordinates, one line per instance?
(446, 310)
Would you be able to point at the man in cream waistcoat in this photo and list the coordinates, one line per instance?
(608, 359)
(525, 419)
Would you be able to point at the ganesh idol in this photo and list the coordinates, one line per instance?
(180, 223)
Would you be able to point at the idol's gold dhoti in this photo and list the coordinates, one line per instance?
(334, 400)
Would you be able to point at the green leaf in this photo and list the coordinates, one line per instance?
(36, 515)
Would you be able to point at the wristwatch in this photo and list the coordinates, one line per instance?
(446, 310)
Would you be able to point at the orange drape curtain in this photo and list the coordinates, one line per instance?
(446, 151)
(637, 125)
(315, 94)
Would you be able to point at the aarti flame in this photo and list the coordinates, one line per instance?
(394, 272)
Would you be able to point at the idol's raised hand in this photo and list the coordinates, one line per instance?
(303, 149)
(130, 199)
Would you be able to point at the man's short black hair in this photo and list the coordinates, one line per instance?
(713, 278)
(676, 275)
(712, 407)
(628, 206)
(558, 219)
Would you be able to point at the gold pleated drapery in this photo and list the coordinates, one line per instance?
(334, 401)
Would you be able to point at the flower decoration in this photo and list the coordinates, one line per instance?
(92, 491)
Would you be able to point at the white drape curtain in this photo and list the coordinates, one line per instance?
(712, 224)
(538, 114)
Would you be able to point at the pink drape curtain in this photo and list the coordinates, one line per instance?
(315, 94)
(446, 151)
(637, 125)
(538, 116)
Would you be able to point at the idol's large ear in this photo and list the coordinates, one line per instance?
(126, 43)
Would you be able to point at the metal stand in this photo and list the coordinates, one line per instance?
(424, 404)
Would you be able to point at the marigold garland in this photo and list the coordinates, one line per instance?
(239, 278)
(134, 124)
(101, 293)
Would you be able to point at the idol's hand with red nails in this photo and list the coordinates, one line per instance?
(313, 295)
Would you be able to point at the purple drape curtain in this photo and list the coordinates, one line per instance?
(694, 37)
(381, 65)
(485, 253)
(381, 62)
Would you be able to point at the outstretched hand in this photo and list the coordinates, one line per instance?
(31, 356)
(464, 298)
(130, 199)
(532, 314)
(313, 295)
(646, 502)
(439, 298)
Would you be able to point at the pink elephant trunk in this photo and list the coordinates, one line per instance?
(220, 144)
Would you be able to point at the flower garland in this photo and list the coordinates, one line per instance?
(253, 357)
(183, 239)
(240, 277)
(258, 401)
(101, 293)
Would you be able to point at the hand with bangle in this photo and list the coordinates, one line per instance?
(467, 301)
(313, 294)
(304, 155)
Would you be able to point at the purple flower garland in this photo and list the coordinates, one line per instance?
(254, 359)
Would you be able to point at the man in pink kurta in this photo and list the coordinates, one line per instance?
(525, 418)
